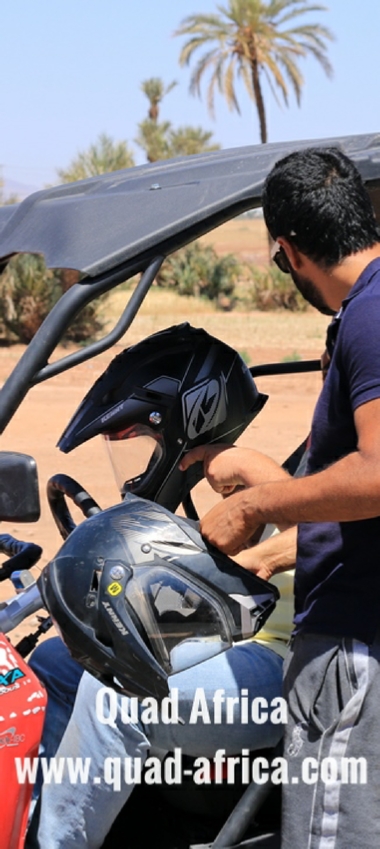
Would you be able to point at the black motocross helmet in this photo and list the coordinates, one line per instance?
(138, 595)
(173, 391)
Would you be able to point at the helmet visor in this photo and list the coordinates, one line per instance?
(183, 622)
(135, 454)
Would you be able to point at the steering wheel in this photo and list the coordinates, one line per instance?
(60, 487)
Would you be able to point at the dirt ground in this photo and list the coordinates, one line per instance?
(46, 410)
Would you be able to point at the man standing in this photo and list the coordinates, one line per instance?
(319, 214)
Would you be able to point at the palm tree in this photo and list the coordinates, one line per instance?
(158, 138)
(155, 91)
(187, 141)
(254, 39)
(152, 137)
(100, 158)
(161, 141)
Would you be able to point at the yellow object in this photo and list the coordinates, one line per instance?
(276, 632)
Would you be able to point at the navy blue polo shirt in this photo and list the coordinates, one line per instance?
(337, 581)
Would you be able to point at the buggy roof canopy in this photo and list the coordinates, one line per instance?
(126, 218)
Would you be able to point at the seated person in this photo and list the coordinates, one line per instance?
(150, 383)
(81, 815)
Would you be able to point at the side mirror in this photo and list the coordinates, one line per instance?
(19, 494)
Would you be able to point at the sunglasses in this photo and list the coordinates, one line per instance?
(278, 256)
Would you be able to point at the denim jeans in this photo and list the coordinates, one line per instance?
(80, 815)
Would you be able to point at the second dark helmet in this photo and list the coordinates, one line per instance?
(177, 389)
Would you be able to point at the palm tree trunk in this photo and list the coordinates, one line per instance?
(259, 100)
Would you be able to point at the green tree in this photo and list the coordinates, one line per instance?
(186, 141)
(100, 158)
(27, 293)
(162, 141)
(10, 199)
(197, 270)
(254, 38)
(153, 139)
(155, 90)
(29, 290)
(159, 139)
(152, 134)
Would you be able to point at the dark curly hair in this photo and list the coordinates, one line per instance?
(316, 197)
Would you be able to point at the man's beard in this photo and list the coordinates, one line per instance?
(311, 294)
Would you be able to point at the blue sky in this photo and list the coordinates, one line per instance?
(71, 70)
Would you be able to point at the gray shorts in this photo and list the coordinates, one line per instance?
(331, 797)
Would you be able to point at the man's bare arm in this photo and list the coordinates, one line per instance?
(348, 490)
(229, 466)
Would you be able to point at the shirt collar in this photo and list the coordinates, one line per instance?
(363, 280)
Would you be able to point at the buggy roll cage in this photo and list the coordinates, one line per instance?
(116, 225)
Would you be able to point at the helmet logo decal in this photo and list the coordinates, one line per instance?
(115, 588)
(115, 619)
(204, 407)
(111, 413)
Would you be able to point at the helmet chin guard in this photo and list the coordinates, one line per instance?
(176, 389)
(138, 595)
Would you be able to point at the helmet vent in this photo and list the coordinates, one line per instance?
(94, 586)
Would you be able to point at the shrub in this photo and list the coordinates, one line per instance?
(271, 289)
(28, 291)
(197, 270)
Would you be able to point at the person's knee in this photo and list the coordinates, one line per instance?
(54, 666)
(44, 656)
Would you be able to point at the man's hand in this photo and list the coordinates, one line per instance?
(345, 491)
(231, 524)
